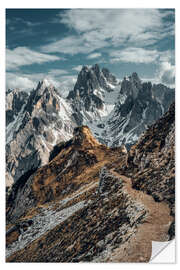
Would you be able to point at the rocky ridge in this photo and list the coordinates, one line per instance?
(109, 210)
(91, 96)
(61, 174)
(152, 160)
(139, 105)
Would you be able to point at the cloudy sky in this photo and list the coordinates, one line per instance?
(55, 43)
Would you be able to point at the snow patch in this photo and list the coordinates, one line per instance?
(14, 126)
(42, 223)
(122, 98)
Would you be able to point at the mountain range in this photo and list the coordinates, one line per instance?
(90, 177)
(117, 113)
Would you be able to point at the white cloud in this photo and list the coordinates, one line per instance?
(141, 56)
(112, 23)
(21, 56)
(18, 81)
(69, 45)
(74, 44)
(17, 20)
(93, 55)
(57, 72)
(77, 68)
(66, 84)
(99, 28)
(116, 24)
(167, 74)
(167, 56)
(134, 55)
(58, 78)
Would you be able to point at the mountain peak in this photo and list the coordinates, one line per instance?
(9, 91)
(131, 85)
(44, 84)
(96, 68)
(134, 75)
(83, 137)
(13, 91)
(84, 69)
(91, 79)
(135, 78)
(105, 71)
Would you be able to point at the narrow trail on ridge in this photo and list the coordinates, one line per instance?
(155, 227)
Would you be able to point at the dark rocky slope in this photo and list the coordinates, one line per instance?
(116, 224)
(151, 162)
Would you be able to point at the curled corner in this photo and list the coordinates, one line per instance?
(163, 252)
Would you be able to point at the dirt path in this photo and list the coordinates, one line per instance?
(155, 227)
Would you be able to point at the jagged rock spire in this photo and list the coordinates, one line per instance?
(82, 136)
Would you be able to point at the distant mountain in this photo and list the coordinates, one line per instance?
(116, 112)
(43, 120)
(139, 105)
(91, 97)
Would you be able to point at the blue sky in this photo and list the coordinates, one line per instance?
(55, 43)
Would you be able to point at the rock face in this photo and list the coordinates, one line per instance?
(152, 161)
(92, 203)
(90, 93)
(164, 95)
(74, 158)
(91, 79)
(139, 105)
(43, 121)
(14, 101)
(116, 113)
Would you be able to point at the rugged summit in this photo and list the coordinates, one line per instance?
(90, 94)
(117, 113)
(44, 120)
(139, 105)
(91, 79)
